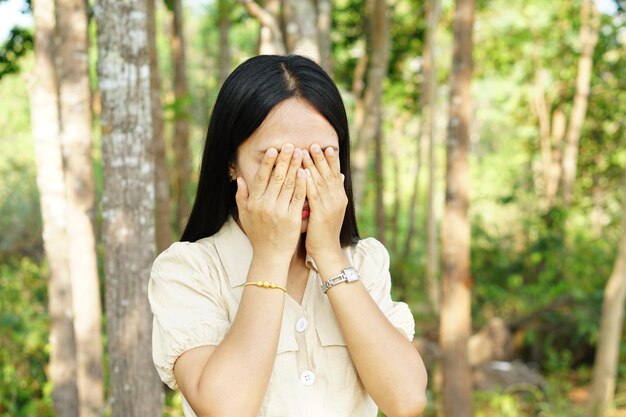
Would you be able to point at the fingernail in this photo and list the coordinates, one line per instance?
(308, 172)
(287, 147)
(305, 153)
(330, 151)
(316, 148)
(297, 152)
(272, 152)
(300, 172)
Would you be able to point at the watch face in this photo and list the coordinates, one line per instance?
(351, 274)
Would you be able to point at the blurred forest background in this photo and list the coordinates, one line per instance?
(503, 214)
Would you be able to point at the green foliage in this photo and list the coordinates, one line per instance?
(20, 220)
(19, 43)
(24, 324)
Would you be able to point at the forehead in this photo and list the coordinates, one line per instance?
(292, 121)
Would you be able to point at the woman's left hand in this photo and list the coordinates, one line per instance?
(327, 200)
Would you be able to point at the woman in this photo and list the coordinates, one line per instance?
(271, 305)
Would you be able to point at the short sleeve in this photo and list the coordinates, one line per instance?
(184, 294)
(372, 261)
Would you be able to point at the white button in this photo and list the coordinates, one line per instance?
(307, 378)
(301, 325)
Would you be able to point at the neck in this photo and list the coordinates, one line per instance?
(299, 256)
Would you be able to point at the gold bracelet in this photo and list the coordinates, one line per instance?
(265, 284)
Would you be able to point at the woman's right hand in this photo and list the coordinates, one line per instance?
(270, 209)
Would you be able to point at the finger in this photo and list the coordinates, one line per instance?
(332, 158)
(280, 172)
(241, 196)
(313, 171)
(320, 161)
(289, 184)
(299, 193)
(312, 193)
(262, 175)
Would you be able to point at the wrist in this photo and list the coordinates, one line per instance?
(269, 268)
(329, 264)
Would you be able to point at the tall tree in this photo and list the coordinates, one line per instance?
(608, 349)
(51, 184)
(433, 289)
(455, 314)
(379, 181)
(128, 203)
(301, 28)
(425, 148)
(370, 122)
(271, 39)
(181, 124)
(223, 12)
(551, 134)
(324, 21)
(590, 18)
(75, 111)
(161, 177)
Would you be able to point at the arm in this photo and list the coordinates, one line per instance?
(392, 370)
(231, 379)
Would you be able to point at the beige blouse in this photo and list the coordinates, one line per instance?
(195, 289)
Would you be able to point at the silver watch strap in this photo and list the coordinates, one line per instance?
(333, 281)
(348, 274)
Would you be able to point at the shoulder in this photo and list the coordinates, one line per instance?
(196, 256)
(369, 253)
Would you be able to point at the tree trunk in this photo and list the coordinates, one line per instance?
(181, 125)
(161, 178)
(607, 351)
(427, 123)
(128, 204)
(380, 184)
(324, 23)
(433, 288)
(50, 181)
(75, 108)
(366, 130)
(223, 11)
(455, 315)
(271, 40)
(395, 153)
(551, 133)
(301, 28)
(590, 18)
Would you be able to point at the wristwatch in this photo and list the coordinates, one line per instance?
(349, 274)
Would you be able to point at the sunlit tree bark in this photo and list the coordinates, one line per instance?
(324, 20)
(607, 352)
(75, 105)
(51, 184)
(301, 28)
(271, 40)
(128, 204)
(590, 18)
(455, 314)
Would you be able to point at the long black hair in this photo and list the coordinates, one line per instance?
(248, 95)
